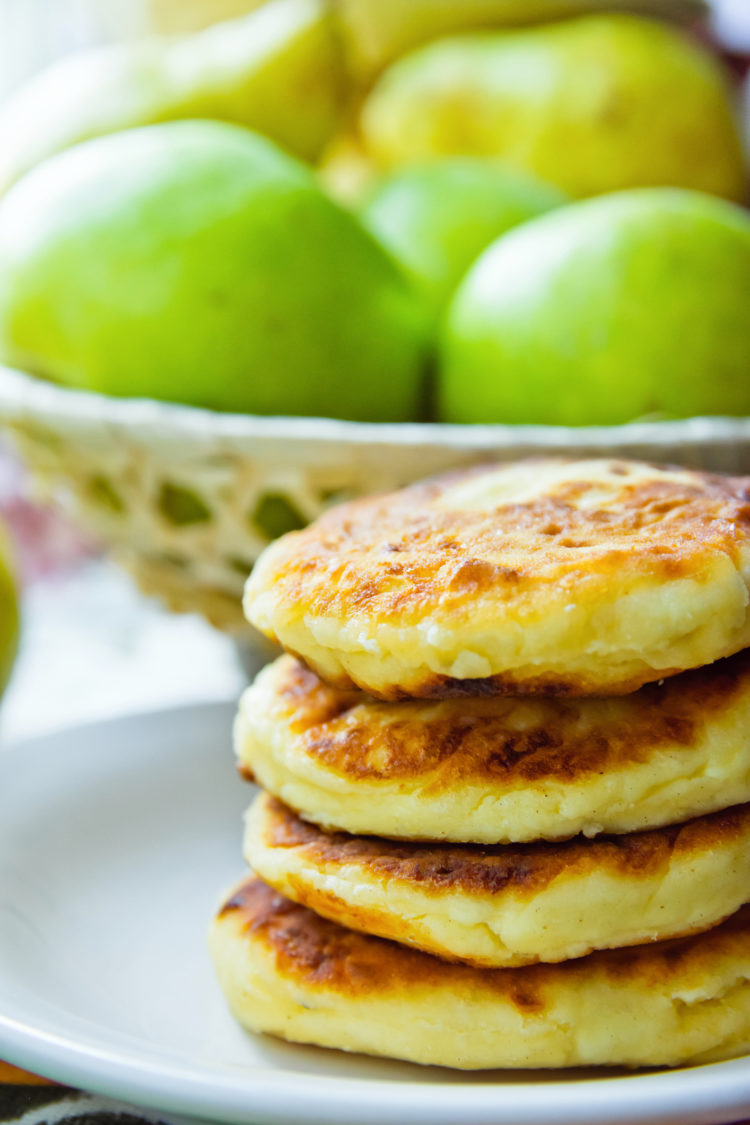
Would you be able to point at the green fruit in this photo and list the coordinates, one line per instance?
(196, 262)
(627, 305)
(277, 70)
(593, 104)
(436, 218)
(378, 31)
(9, 613)
(168, 17)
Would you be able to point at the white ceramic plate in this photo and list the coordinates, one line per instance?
(116, 842)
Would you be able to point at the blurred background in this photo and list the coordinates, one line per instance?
(36, 32)
(458, 239)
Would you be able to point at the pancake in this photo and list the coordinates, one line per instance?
(569, 577)
(288, 972)
(513, 904)
(502, 769)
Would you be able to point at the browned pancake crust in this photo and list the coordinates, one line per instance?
(489, 870)
(348, 733)
(313, 951)
(393, 559)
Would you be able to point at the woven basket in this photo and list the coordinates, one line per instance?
(186, 499)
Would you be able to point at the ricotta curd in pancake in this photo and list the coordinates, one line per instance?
(286, 971)
(560, 576)
(499, 769)
(510, 904)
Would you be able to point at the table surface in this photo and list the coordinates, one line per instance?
(93, 647)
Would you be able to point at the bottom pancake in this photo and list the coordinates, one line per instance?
(287, 972)
(511, 904)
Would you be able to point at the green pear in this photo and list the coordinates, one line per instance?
(436, 218)
(593, 105)
(176, 17)
(608, 310)
(196, 262)
(277, 71)
(376, 32)
(9, 612)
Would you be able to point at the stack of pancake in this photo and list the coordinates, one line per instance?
(506, 762)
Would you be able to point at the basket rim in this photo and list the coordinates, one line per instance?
(23, 396)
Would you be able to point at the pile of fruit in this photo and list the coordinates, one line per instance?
(352, 210)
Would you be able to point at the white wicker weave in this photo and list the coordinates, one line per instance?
(187, 498)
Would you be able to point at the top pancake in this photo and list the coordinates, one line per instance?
(560, 576)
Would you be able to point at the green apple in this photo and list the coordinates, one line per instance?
(593, 105)
(196, 262)
(277, 70)
(9, 613)
(435, 218)
(610, 309)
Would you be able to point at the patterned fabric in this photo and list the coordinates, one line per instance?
(27, 1100)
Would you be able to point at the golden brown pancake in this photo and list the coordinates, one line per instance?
(510, 904)
(288, 972)
(499, 769)
(570, 577)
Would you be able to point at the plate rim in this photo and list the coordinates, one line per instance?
(699, 1095)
